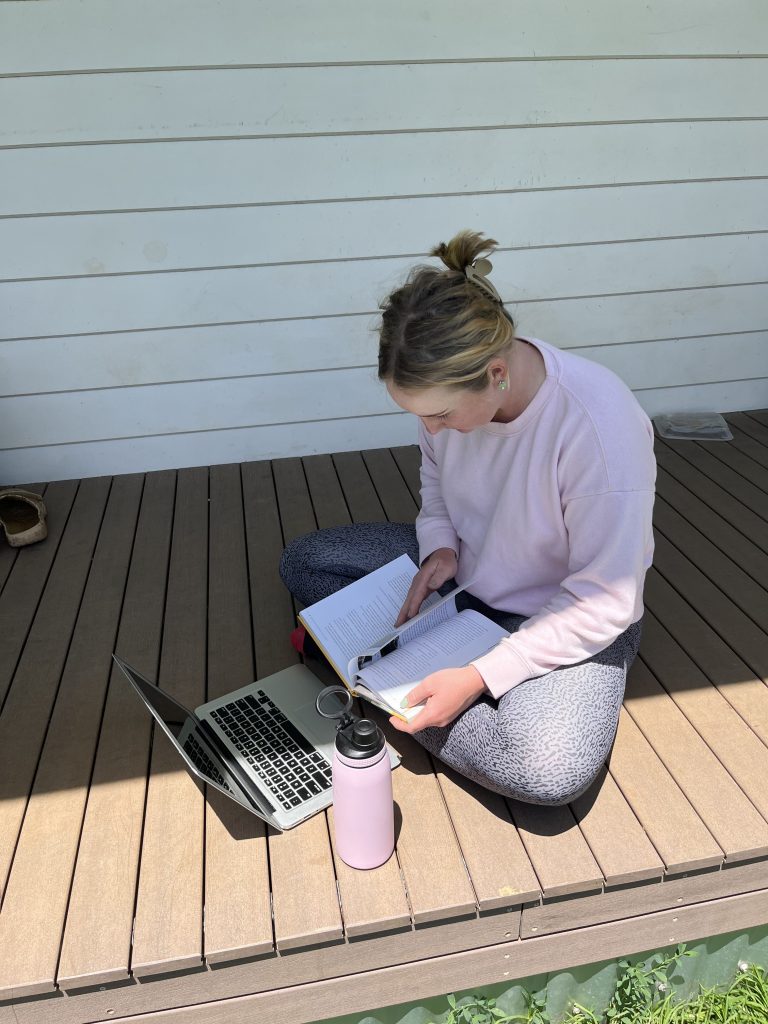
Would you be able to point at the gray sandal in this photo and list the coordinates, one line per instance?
(22, 514)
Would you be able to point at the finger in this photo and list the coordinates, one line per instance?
(413, 602)
(409, 727)
(398, 723)
(404, 614)
(417, 695)
(418, 722)
(401, 617)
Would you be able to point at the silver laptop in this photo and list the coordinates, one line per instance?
(264, 746)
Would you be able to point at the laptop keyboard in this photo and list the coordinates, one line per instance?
(292, 769)
(203, 762)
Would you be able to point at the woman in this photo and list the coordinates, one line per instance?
(537, 485)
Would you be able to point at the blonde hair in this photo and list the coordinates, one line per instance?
(440, 329)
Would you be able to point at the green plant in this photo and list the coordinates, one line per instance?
(640, 997)
(475, 1010)
(745, 1001)
(483, 1010)
(642, 985)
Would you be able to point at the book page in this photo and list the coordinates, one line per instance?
(359, 619)
(434, 609)
(451, 644)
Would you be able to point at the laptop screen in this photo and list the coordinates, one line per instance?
(192, 739)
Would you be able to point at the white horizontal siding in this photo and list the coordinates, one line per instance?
(191, 260)
(224, 403)
(410, 97)
(136, 302)
(184, 33)
(93, 458)
(95, 244)
(126, 359)
(171, 174)
(137, 455)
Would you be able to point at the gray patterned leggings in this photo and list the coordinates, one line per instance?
(545, 740)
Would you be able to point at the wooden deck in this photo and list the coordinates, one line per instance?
(125, 893)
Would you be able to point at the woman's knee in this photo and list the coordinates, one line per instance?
(294, 561)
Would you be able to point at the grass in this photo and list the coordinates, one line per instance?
(641, 996)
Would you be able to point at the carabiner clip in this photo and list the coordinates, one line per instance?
(345, 718)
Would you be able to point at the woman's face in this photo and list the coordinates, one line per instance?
(454, 408)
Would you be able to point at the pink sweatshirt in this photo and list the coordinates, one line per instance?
(550, 516)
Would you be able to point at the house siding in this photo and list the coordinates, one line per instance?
(198, 222)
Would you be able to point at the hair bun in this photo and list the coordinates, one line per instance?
(463, 250)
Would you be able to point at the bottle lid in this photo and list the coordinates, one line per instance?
(359, 740)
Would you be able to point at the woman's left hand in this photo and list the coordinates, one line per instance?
(447, 693)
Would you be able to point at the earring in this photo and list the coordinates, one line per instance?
(502, 385)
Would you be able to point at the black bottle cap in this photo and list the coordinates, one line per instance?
(359, 740)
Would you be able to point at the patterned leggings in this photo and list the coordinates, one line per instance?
(542, 742)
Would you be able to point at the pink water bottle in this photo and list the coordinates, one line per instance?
(363, 808)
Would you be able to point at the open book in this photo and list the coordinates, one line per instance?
(354, 630)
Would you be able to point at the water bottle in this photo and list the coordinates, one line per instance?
(363, 808)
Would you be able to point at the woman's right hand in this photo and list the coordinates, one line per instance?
(438, 567)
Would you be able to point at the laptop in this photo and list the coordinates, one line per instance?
(265, 745)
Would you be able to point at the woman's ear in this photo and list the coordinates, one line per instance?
(497, 372)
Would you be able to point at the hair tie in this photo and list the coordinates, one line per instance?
(477, 274)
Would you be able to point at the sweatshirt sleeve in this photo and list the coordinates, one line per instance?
(434, 528)
(609, 537)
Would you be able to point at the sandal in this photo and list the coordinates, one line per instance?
(22, 514)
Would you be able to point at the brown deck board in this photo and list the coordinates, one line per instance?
(744, 453)
(483, 823)
(747, 694)
(731, 481)
(396, 499)
(325, 491)
(558, 850)
(169, 900)
(271, 606)
(677, 832)
(97, 935)
(238, 914)
(758, 416)
(616, 838)
(27, 580)
(723, 616)
(304, 894)
(749, 423)
(435, 874)
(359, 492)
(204, 611)
(728, 814)
(36, 896)
(733, 512)
(740, 549)
(408, 459)
(734, 743)
(745, 592)
(27, 710)
(7, 553)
